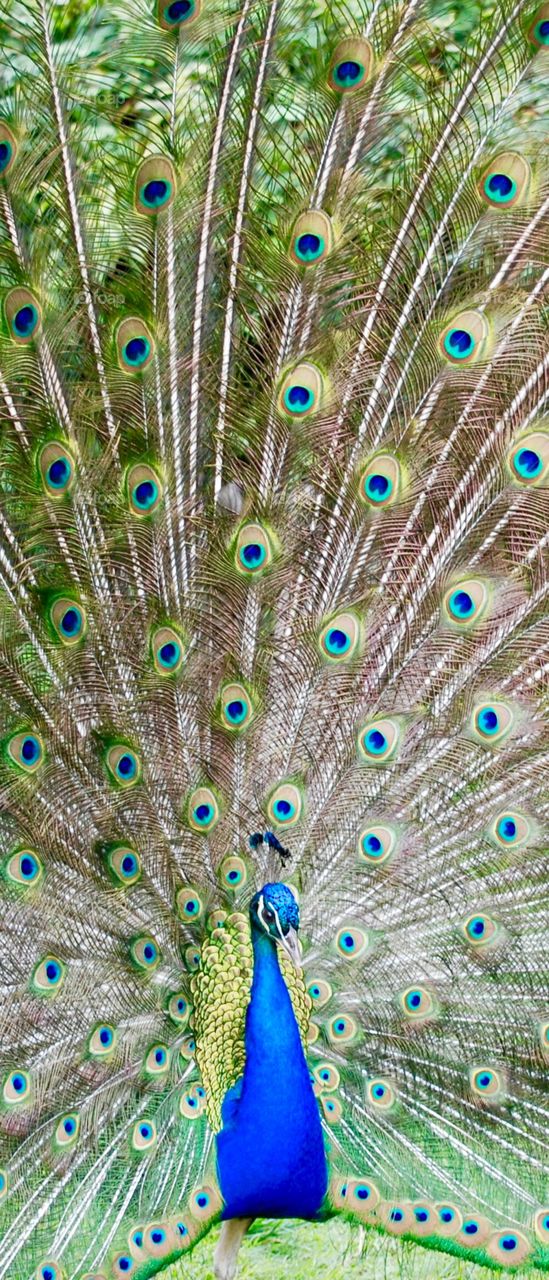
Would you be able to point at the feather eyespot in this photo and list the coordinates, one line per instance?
(134, 344)
(187, 1048)
(124, 865)
(124, 765)
(24, 868)
(487, 1084)
(538, 31)
(122, 1265)
(418, 1004)
(312, 238)
(67, 1131)
(48, 976)
(168, 650)
(464, 604)
(474, 1231)
(144, 488)
(102, 1041)
(491, 722)
(234, 874)
(8, 150)
(203, 810)
(505, 181)
(326, 1077)
(340, 639)
(380, 1094)
(26, 751)
(190, 907)
(57, 469)
(236, 707)
(17, 1088)
(157, 1061)
(320, 992)
(176, 14)
(352, 942)
(396, 1216)
(376, 845)
(69, 621)
(342, 1029)
(378, 741)
(381, 481)
(143, 1136)
(23, 315)
(145, 953)
(254, 551)
(361, 1196)
(509, 1247)
(191, 1106)
(541, 1225)
(331, 1109)
(481, 931)
(464, 340)
(158, 1239)
(302, 391)
(154, 185)
(179, 1009)
(204, 1203)
(510, 829)
(351, 65)
(285, 806)
(191, 956)
(49, 1270)
(449, 1220)
(528, 459)
(424, 1219)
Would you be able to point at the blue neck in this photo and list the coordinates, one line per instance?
(271, 1159)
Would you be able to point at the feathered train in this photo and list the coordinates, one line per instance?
(273, 377)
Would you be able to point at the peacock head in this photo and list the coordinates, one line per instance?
(274, 911)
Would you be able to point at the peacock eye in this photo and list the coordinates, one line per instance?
(123, 765)
(203, 810)
(8, 149)
(464, 340)
(380, 482)
(144, 489)
(528, 459)
(154, 185)
(351, 65)
(68, 620)
(26, 750)
(505, 180)
(134, 344)
(538, 31)
(23, 314)
(301, 391)
(174, 14)
(57, 470)
(312, 237)
(465, 603)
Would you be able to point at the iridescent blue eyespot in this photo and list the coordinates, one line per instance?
(459, 343)
(155, 193)
(203, 814)
(541, 32)
(6, 152)
(169, 654)
(298, 399)
(500, 188)
(252, 555)
(349, 73)
(25, 321)
(283, 809)
(106, 1036)
(372, 846)
(470, 1228)
(29, 867)
(378, 487)
(507, 828)
(59, 473)
(309, 247)
(178, 11)
(71, 622)
(375, 742)
(136, 351)
(396, 1215)
(487, 720)
(145, 494)
(235, 711)
(528, 463)
(126, 767)
(461, 604)
(337, 641)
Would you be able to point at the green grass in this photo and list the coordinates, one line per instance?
(333, 1250)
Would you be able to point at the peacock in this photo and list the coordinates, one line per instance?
(273, 631)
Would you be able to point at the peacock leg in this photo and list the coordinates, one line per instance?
(232, 1234)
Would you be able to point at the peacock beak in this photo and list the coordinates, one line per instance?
(290, 943)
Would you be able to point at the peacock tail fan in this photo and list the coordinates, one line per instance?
(273, 466)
